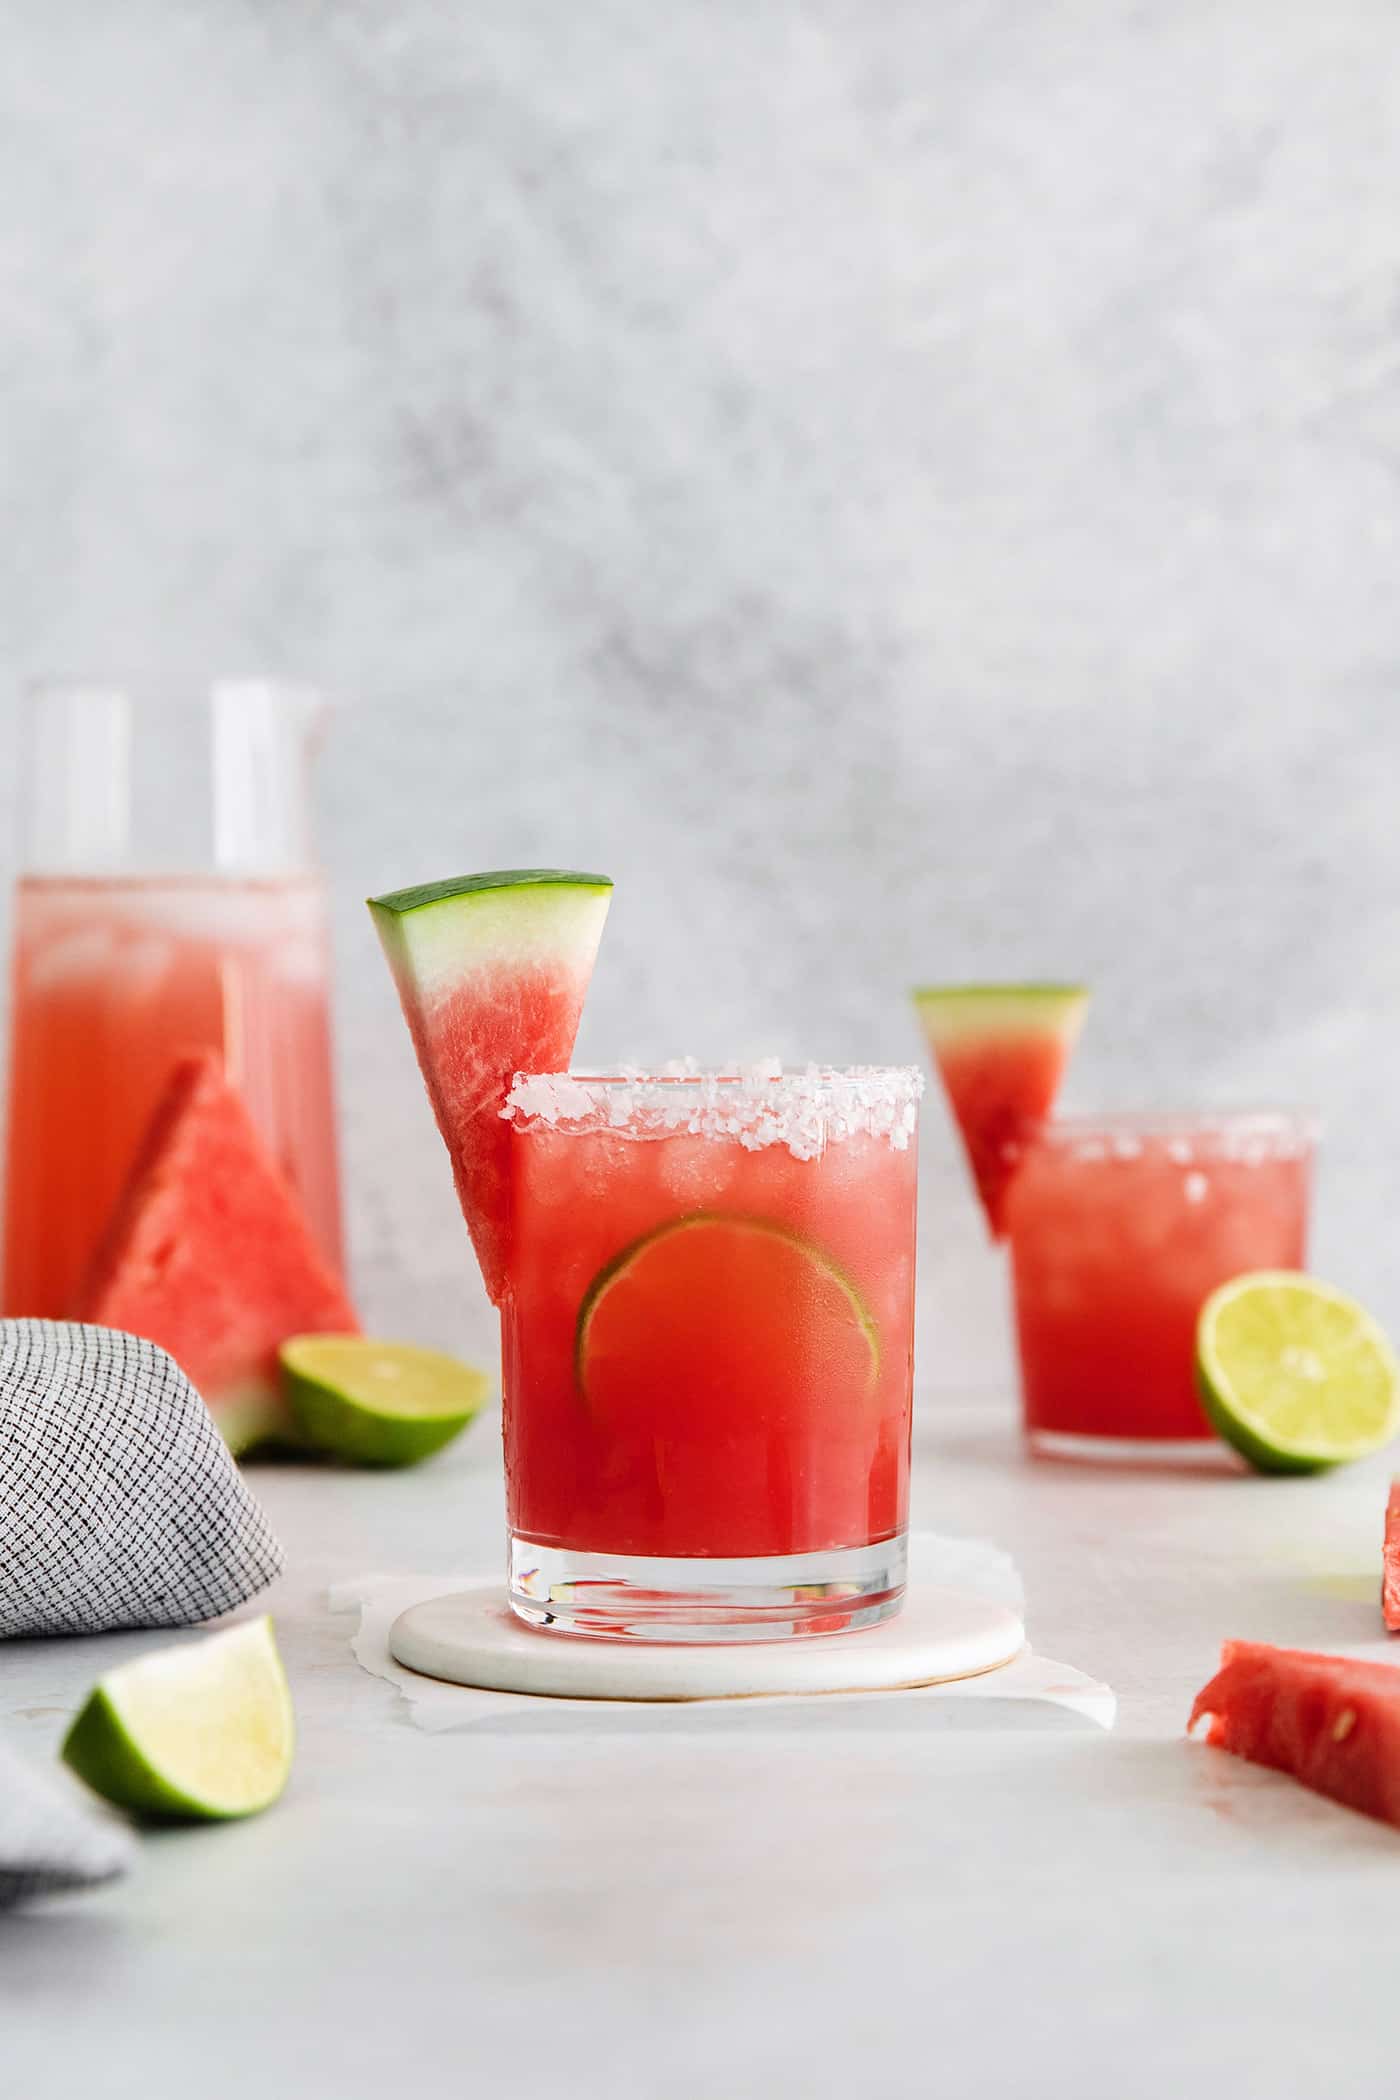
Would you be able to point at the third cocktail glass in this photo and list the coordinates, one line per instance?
(1120, 1226)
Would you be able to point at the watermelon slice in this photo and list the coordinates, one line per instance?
(491, 972)
(1001, 1051)
(1390, 1561)
(209, 1255)
(1330, 1723)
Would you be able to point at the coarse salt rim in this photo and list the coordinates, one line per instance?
(1246, 1135)
(753, 1105)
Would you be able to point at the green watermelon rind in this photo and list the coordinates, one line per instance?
(954, 1011)
(437, 933)
(421, 894)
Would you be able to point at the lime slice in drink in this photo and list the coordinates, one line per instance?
(199, 1733)
(1296, 1375)
(717, 1323)
(378, 1403)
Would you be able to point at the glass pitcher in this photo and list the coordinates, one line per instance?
(168, 900)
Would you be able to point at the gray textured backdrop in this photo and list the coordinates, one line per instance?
(908, 489)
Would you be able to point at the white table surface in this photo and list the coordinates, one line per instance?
(735, 1902)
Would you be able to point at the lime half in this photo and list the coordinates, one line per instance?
(192, 1734)
(378, 1403)
(1296, 1375)
(713, 1323)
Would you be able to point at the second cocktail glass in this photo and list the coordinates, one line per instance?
(707, 1351)
(1120, 1228)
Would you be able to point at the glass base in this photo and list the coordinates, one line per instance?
(1192, 1452)
(768, 1597)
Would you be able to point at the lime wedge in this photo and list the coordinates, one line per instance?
(1296, 1375)
(712, 1319)
(378, 1403)
(193, 1734)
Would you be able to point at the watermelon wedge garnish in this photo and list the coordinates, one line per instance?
(1330, 1723)
(491, 972)
(1390, 1561)
(1000, 1051)
(209, 1255)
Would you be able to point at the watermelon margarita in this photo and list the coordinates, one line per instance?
(706, 1285)
(1120, 1229)
(708, 1342)
(113, 978)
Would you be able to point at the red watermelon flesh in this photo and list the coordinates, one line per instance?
(492, 971)
(1330, 1723)
(1001, 1052)
(1390, 1561)
(209, 1255)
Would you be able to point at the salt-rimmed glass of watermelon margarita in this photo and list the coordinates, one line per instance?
(706, 1287)
(1121, 1226)
(707, 1347)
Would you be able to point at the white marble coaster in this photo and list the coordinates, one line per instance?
(1032, 1692)
(472, 1637)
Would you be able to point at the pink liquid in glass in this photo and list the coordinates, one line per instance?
(1120, 1229)
(112, 978)
(708, 1339)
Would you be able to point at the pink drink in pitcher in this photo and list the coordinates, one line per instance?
(168, 901)
(112, 978)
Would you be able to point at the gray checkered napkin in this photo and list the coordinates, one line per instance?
(119, 1502)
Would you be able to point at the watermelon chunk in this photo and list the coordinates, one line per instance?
(491, 971)
(1390, 1561)
(1000, 1051)
(209, 1255)
(1330, 1723)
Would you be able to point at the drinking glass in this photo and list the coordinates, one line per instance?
(708, 1352)
(168, 900)
(1120, 1228)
